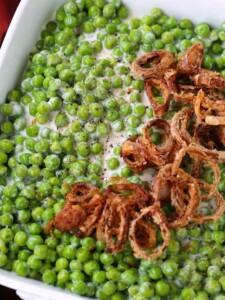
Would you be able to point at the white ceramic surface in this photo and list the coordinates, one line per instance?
(22, 35)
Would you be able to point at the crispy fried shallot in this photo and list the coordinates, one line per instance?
(141, 153)
(152, 216)
(196, 155)
(82, 210)
(70, 217)
(166, 132)
(93, 211)
(209, 79)
(135, 155)
(81, 193)
(191, 60)
(113, 225)
(184, 194)
(158, 109)
(159, 62)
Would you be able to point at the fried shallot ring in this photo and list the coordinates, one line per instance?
(139, 153)
(144, 230)
(68, 219)
(133, 196)
(113, 225)
(81, 193)
(191, 60)
(160, 61)
(195, 152)
(153, 149)
(219, 202)
(179, 125)
(158, 109)
(135, 155)
(209, 79)
(155, 214)
(184, 193)
(93, 211)
(181, 92)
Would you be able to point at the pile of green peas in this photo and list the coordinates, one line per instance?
(78, 91)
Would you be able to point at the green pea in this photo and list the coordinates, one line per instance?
(162, 288)
(52, 162)
(102, 129)
(202, 29)
(6, 146)
(83, 255)
(20, 238)
(212, 286)
(21, 268)
(79, 287)
(49, 276)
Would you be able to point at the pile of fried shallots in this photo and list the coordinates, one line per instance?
(193, 139)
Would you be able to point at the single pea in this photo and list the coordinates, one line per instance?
(213, 272)
(83, 255)
(113, 274)
(20, 238)
(79, 287)
(99, 277)
(133, 121)
(6, 146)
(76, 265)
(108, 11)
(102, 129)
(40, 251)
(3, 158)
(139, 109)
(6, 235)
(36, 159)
(21, 268)
(107, 259)
(170, 268)
(96, 110)
(52, 162)
(110, 41)
(113, 163)
(212, 286)
(83, 112)
(96, 148)
(61, 120)
(69, 252)
(109, 288)
(162, 288)
(83, 149)
(77, 275)
(88, 27)
(147, 290)
(187, 293)
(129, 276)
(49, 276)
(155, 272)
(91, 266)
(203, 30)
(34, 263)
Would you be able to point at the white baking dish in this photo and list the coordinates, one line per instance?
(22, 35)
